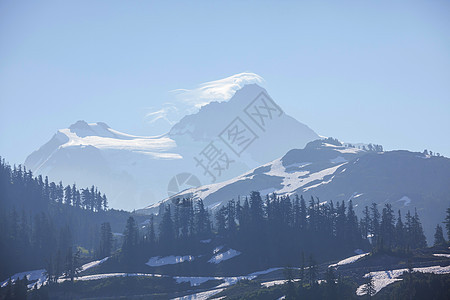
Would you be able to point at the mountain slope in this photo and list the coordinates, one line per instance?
(134, 171)
(407, 180)
(254, 107)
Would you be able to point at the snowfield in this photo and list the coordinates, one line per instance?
(381, 279)
(200, 296)
(291, 181)
(195, 281)
(442, 255)
(157, 261)
(109, 275)
(227, 281)
(36, 275)
(268, 284)
(93, 264)
(99, 135)
(218, 258)
(348, 260)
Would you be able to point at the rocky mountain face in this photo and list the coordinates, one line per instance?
(333, 172)
(217, 143)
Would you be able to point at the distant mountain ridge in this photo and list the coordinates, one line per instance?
(332, 171)
(135, 170)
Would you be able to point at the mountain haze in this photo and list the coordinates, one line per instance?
(124, 166)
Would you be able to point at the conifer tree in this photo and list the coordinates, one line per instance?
(202, 221)
(352, 225)
(366, 223)
(256, 209)
(221, 220)
(439, 236)
(302, 267)
(447, 223)
(369, 286)
(312, 270)
(106, 239)
(68, 195)
(104, 202)
(303, 213)
(20, 288)
(375, 226)
(330, 279)
(341, 221)
(387, 227)
(151, 231)
(60, 193)
(166, 230)
(400, 232)
(72, 267)
(231, 216)
(296, 212)
(130, 240)
(418, 237)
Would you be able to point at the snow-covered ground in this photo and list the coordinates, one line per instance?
(442, 255)
(227, 281)
(109, 275)
(217, 249)
(93, 264)
(291, 180)
(35, 275)
(258, 273)
(101, 136)
(273, 282)
(348, 260)
(218, 258)
(38, 277)
(381, 279)
(200, 296)
(295, 180)
(157, 261)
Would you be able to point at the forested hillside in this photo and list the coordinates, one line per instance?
(42, 222)
(278, 230)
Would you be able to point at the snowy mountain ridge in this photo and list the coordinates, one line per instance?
(101, 136)
(123, 165)
(282, 176)
(334, 172)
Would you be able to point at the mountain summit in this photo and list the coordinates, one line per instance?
(219, 142)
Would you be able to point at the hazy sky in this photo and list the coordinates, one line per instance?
(361, 71)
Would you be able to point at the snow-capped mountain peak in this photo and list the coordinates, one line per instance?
(124, 165)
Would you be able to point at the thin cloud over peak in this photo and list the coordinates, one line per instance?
(217, 90)
(189, 101)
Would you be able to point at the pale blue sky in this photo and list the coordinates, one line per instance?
(361, 71)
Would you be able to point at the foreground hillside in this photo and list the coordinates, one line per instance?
(390, 278)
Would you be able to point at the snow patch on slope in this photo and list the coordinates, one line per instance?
(153, 146)
(200, 296)
(93, 264)
(157, 261)
(35, 275)
(218, 258)
(442, 255)
(381, 279)
(348, 260)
